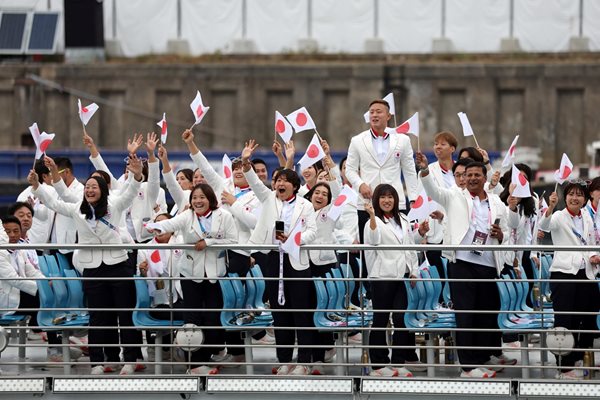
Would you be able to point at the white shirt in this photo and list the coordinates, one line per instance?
(449, 180)
(286, 213)
(381, 144)
(205, 222)
(480, 221)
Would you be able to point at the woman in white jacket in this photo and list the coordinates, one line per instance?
(96, 219)
(202, 224)
(387, 270)
(572, 227)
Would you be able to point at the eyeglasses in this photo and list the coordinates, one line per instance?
(580, 182)
(60, 171)
(458, 175)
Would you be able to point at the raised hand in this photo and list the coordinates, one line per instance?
(553, 200)
(87, 140)
(187, 136)
(162, 154)
(423, 228)
(33, 179)
(495, 179)
(369, 208)
(151, 142)
(325, 147)
(277, 149)
(135, 167)
(50, 164)
(227, 198)
(249, 148)
(134, 144)
(484, 154)
(421, 160)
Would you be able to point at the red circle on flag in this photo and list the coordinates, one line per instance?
(566, 172)
(84, 109)
(199, 111)
(227, 171)
(301, 119)
(155, 256)
(279, 126)
(403, 128)
(522, 180)
(418, 202)
(312, 151)
(340, 200)
(44, 145)
(297, 238)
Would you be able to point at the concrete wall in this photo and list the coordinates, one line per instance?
(550, 106)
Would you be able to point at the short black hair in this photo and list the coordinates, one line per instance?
(11, 219)
(41, 169)
(103, 174)
(577, 184)
(380, 101)
(12, 209)
(208, 191)
(187, 172)
(259, 161)
(310, 193)
(462, 161)
(63, 162)
(473, 153)
(477, 164)
(290, 176)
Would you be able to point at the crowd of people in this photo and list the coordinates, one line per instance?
(473, 205)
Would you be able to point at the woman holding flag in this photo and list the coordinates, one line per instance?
(572, 227)
(285, 220)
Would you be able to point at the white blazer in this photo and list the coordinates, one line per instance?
(362, 165)
(392, 264)
(519, 225)
(147, 197)
(458, 204)
(325, 235)
(206, 263)
(180, 197)
(15, 267)
(561, 225)
(63, 225)
(103, 234)
(264, 232)
(244, 210)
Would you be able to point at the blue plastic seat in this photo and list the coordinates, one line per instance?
(142, 317)
(232, 300)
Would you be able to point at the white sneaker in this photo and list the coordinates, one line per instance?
(127, 370)
(203, 370)
(330, 355)
(355, 339)
(31, 335)
(230, 358)
(497, 363)
(415, 366)
(385, 371)
(317, 369)
(265, 340)
(403, 372)
(97, 370)
(573, 375)
(478, 373)
(283, 370)
(55, 354)
(220, 356)
(300, 370)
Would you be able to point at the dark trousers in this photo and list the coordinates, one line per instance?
(239, 264)
(298, 295)
(363, 218)
(475, 296)
(111, 294)
(322, 338)
(575, 297)
(207, 296)
(28, 301)
(390, 295)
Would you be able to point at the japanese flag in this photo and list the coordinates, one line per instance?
(346, 196)
(466, 125)
(390, 100)
(163, 128)
(566, 167)
(410, 126)
(155, 264)
(227, 168)
(521, 189)
(543, 206)
(86, 113)
(283, 127)
(421, 208)
(314, 153)
(41, 140)
(510, 154)
(198, 108)
(292, 244)
(301, 120)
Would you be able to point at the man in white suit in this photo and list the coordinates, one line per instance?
(380, 155)
(473, 217)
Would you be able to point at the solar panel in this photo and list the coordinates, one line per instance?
(12, 30)
(43, 33)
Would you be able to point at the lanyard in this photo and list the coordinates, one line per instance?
(593, 215)
(105, 222)
(241, 193)
(489, 212)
